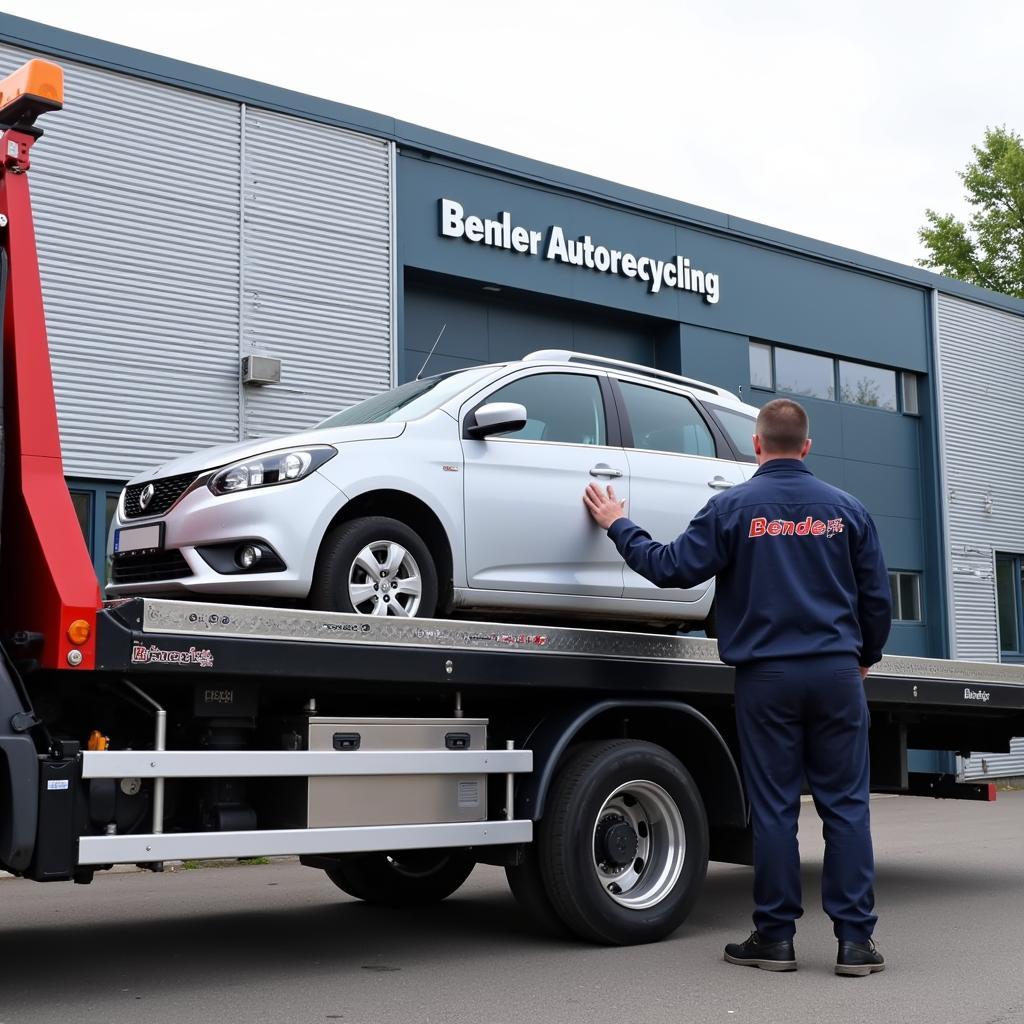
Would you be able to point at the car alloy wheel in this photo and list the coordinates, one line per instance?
(385, 579)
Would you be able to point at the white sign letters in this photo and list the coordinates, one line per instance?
(580, 252)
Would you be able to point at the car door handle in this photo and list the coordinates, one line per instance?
(719, 483)
(602, 470)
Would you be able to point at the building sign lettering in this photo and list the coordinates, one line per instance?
(553, 244)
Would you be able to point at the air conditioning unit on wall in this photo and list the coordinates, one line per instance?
(261, 370)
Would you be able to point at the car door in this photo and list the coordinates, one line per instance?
(674, 470)
(526, 526)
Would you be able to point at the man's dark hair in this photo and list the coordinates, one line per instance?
(782, 426)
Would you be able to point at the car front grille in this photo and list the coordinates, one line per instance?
(149, 567)
(165, 493)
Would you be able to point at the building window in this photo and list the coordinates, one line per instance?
(905, 588)
(910, 401)
(95, 504)
(807, 375)
(860, 384)
(801, 373)
(1009, 604)
(761, 375)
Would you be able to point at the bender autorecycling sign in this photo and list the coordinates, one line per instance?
(552, 244)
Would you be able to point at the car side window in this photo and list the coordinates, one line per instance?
(664, 422)
(561, 407)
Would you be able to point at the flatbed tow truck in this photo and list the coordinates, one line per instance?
(600, 768)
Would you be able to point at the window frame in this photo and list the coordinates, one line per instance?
(718, 438)
(612, 427)
(897, 609)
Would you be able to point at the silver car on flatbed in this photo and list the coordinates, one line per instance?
(455, 493)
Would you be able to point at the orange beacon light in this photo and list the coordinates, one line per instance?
(34, 89)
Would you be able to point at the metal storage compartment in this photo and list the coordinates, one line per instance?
(396, 799)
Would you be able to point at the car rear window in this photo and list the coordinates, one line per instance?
(739, 426)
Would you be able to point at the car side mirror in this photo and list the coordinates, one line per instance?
(496, 418)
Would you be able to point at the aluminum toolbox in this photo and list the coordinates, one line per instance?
(396, 799)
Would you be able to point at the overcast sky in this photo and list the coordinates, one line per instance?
(842, 121)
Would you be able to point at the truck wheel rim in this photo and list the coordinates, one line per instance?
(384, 579)
(638, 876)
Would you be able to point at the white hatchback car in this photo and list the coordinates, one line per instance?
(459, 493)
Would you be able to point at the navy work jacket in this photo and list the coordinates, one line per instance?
(798, 567)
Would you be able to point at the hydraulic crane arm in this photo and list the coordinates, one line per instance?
(49, 586)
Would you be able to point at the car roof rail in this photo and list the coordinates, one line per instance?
(561, 355)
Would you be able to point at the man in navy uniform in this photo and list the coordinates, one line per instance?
(803, 609)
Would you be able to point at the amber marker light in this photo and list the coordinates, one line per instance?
(78, 632)
(38, 81)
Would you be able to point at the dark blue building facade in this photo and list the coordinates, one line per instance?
(772, 308)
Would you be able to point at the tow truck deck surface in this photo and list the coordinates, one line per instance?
(145, 635)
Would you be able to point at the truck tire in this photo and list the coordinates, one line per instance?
(623, 845)
(527, 885)
(375, 566)
(405, 879)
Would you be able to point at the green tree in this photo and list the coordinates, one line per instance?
(989, 249)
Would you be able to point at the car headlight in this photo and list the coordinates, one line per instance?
(283, 467)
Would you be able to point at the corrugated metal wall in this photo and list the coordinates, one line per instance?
(997, 766)
(135, 188)
(153, 289)
(316, 255)
(981, 357)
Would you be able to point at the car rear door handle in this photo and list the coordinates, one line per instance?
(719, 483)
(601, 469)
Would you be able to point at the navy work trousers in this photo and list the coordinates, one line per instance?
(807, 717)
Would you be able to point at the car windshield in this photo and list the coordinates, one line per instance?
(408, 401)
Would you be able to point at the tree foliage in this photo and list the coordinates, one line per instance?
(988, 250)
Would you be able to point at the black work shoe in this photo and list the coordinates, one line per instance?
(859, 959)
(758, 951)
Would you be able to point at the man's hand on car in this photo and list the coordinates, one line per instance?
(864, 672)
(603, 506)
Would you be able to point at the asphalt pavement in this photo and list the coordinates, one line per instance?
(278, 943)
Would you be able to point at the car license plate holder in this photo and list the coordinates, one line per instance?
(130, 540)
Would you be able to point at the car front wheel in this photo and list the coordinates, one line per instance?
(375, 566)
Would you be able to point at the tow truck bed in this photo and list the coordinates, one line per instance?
(143, 636)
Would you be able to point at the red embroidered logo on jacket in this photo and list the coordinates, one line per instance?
(809, 527)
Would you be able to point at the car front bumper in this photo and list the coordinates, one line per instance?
(289, 518)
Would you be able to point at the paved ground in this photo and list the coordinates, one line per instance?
(278, 943)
